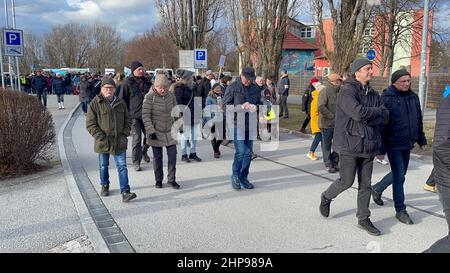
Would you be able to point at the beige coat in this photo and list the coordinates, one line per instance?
(156, 114)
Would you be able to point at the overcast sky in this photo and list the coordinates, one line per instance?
(131, 17)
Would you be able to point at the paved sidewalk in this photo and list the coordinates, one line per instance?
(38, 213)
(279, 215)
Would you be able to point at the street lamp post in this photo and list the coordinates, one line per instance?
(194, 37)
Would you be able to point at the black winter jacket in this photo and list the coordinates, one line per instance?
(307, 99)
(132, 92)
(405, 126)
(441, 145)
(359, 116)
(185, 96)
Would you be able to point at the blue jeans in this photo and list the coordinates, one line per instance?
(84, 106)
(399, 161)
(189, 135)
(242, 156)
(121, 164)
(316, 141)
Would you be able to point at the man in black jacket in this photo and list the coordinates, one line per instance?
(132, 92)
(39, 84)
(404, 129)
(185, 95)
(359, 114)
(441, 162)
(242, 112)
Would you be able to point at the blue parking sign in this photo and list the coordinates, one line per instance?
(201, 58)
(13, 42)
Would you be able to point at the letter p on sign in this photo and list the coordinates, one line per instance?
(12, 38)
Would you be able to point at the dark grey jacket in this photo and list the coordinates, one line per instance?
(359, 117)
(133, 92)
(441, 145)
(281, 86)
(327, 105)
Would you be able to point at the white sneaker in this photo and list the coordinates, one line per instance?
(383, 162)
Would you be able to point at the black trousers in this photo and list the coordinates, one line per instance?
(307, 120)
(215, 142)
(171, 163)
(349, 167)
(139, 147)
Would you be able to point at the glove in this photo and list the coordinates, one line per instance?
(181, 130)
(153, 136)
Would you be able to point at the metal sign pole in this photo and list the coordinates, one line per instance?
(17, 59)
(9, 58)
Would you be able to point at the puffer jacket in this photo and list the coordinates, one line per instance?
(441, 145)
(359, 117)
(405, 126)
(157, 118)
(110, 125)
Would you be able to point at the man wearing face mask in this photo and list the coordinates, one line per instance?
(132, 92)
(404, 129)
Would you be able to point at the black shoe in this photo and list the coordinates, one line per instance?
(235, 183)
(377, 198)
(367, 225)
(174, 185)
(185, 159)
(158, 185)
(403, 217)
(127, 196)
(105, 190)
(137, 167)
(195, 157)
(146, 158)
(332, 170)
(324, 206)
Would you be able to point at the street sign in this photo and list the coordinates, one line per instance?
(186, 58)
(13, 39)
(201, 59)
(371, 54)
(222, 61)
(108, 71)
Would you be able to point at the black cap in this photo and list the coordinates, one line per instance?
(398, 74)
(357, 64)
(249, 73)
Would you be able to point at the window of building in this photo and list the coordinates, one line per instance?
(306, 32)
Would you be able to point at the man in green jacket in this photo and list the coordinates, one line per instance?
(109, 123)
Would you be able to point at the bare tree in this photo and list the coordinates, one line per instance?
(106, 47)
(179, 16)
(153, 49)
(258, 28)
(33, 53)
(82, 45)
(349, 18)
(394, 25)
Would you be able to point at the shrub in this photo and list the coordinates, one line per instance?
(26, 133)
